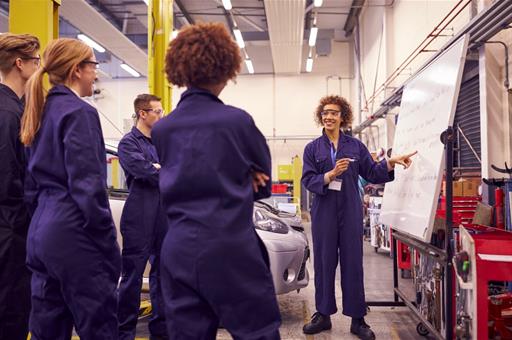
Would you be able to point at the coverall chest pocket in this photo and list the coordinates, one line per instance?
(323, 164)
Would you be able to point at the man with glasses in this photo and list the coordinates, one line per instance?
(19, 59)
(143, 224)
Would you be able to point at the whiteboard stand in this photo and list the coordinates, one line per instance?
(441, 256)
(447, 138)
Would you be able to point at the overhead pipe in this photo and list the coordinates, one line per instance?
(506, 82)
(424, 44)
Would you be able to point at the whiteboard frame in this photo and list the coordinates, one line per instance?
(428, 229)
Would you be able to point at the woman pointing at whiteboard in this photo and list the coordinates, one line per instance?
(332, 164)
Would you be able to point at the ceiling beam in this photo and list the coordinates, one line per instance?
(89, 21)
(4, 22)
(228, 19)
(184, 11)
(107, 13)
(138, 38)
(223, 14)
(309, 7)
(353, 16)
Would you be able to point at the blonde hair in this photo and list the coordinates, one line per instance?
(61, 57)
(14, 46)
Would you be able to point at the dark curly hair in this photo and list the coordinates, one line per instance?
(345, 107)
(202, 54)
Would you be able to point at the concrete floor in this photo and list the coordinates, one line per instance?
(386, 322)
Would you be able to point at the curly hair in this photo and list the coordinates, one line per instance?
(346, 110)
(202, 54)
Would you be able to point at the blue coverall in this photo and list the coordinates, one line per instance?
(337, 220)
(71, 248)
(214, 266)
(143, 227)
(14, 222)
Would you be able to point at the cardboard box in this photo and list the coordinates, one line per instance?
(463, 187)
(458, 188)
(470, 187)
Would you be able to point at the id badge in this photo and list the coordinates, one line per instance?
(335, 185)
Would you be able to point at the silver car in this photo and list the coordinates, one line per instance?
(281, 232)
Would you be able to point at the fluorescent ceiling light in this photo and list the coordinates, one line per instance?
(227, 4)
(309, 65)
(312, 36)
(130, 70)
(249, 65)
(318, 3)
(146, 2)
(239, 38)
(91, 43)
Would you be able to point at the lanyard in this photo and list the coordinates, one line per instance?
(333, 155)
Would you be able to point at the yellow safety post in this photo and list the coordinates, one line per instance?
(297, 174)
(145, 308)
(159, 32)
(37, 17)
(116, 183)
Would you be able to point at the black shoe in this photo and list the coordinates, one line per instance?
(318, 323)
(360, 328)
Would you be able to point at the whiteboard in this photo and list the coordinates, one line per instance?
(427, 108)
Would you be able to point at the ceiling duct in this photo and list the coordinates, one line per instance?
(90, 22)
(285, 20)
(4, 21)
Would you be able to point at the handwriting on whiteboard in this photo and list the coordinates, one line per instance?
(427, 109)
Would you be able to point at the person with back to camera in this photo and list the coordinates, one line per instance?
(215, 163)
(71, 248)
(19, 59)
(332, 164)
(143, 224)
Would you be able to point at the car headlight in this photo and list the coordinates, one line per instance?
(267, 223)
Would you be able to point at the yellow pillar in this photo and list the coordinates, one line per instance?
(159, 31)
(297, 174)
(36, 17)
(116, 182)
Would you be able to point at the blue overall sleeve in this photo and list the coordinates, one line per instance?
(85, 168)
(259, 158)
(133, 161)
(9, 128)
(31, 193)
(371, 171)
(311, 178)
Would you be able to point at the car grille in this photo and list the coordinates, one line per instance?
(302, 272)
(298, 228)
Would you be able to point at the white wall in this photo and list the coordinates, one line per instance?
(393, 33)
(115, 103)
(282, 106)
(495, 107)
